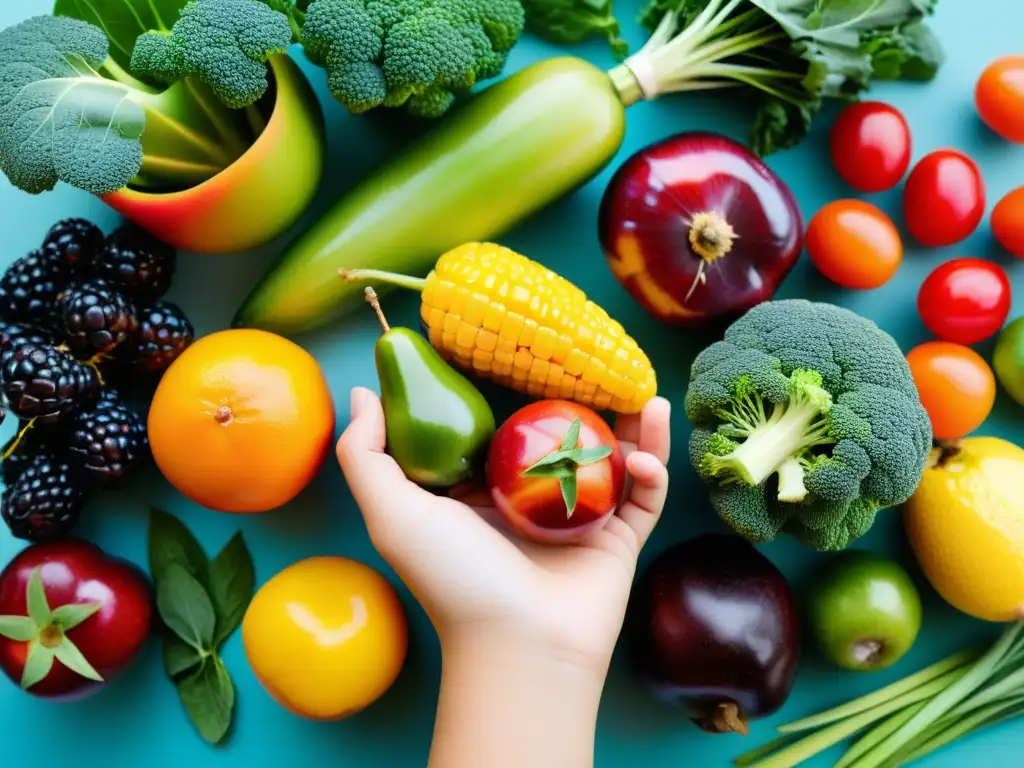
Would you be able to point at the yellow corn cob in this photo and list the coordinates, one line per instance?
(504, 317)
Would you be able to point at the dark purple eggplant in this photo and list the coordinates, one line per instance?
(713, 629)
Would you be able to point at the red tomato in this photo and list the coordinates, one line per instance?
(965, 300)
(1008, 222)
(956, 386)
(944, 198)
(536, 505)
(999, 97)
(72, 574)
(854, 244)
(870, 144)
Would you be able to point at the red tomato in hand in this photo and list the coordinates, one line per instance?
(576, 492)
(944, 198)
(1008, 222)
(854, 244)
(965, 300)
(870, 145)
(956, 386)
(999, 97)
(84, 599)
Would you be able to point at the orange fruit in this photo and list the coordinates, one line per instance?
(242, 421)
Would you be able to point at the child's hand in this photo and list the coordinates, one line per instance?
(474, 578)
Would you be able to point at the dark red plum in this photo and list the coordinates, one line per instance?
(698, 228)
(713, 629)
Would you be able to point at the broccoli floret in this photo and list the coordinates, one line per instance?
(413, 53)
(225, 43)
(70, 113)
(806, 421)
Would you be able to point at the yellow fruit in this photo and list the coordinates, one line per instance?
(326, 637)
(966, 526)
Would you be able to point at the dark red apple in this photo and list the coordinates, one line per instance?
(696, 227)
(713, 629)
(71, 617)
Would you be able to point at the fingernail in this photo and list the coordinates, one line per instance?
(357, 401)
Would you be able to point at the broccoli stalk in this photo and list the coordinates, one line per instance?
(776, 443)
(792, 53)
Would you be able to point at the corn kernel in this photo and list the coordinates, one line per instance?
(482, 360)
(505, 357)
(528, 333)
(555, 372)
(425, 310)
(576, 362)
(523, 360)
(602, 399)
(466, 336)
(459, 298)
(436, 336)
(451, 323)
(494, 317)
(594, 371)
(625, 389)
(449, 341)
(539, 370)
(544, 343)
(486, 340)
(512, 327)
(563, 347)
(436, 319)
(443, 291)
(476, 308)
(535, 388)
(520, 374)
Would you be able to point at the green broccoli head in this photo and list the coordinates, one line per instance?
(413, 53)
(806, 420)
(225, 43)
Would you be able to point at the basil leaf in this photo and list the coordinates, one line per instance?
(186, 608)
(232, 583)
(179, 657)
(170, 542)
(123, 20)
(208, 696)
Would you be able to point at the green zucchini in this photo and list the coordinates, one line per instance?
(519, 145)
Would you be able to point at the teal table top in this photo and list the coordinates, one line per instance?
(138, 720)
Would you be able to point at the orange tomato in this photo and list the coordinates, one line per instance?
(956, 385)
(1008, 222)
(854, 244)
(999, 97)
(326, 637)
(242, 421)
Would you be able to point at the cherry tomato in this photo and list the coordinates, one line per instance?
(1008, 222)
(944, 198)
(999, 97)
(576, 492)
(956, 385)
(854, 244)
(965, 300)
(870, 145)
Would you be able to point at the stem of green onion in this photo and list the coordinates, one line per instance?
(984, 717)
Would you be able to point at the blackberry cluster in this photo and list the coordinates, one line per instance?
(74, 313)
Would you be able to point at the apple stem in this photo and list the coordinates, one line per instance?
(373, 301)
(727, 719)
(867, 652)
(948, 450)
(711, 236)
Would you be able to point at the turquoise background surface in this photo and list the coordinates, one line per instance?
(138, 719)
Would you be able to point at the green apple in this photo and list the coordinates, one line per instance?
(1008, 359)
(864, 611)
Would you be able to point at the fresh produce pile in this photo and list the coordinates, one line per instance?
(808, 420)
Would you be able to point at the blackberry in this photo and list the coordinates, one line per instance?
(14, 335)
(138, 264)
(32, 285)
(32, 442)
(77, 241)
(46, 383)
(95, 318)
(108, 441)
(46, 501)
(163, 334)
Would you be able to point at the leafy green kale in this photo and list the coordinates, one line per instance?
(570, 22)
(412, 53)
(225, 43)
(795, 53)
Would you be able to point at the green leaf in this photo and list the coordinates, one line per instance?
(232, 583)
(911, 52)
(20, 629)
(840, 22)
(179, 657)
(122, 20)
(581, 457)
(38, 664)
(186, 608)
(67, 653)
(572, 437)
(71, 615)
(35, 596)
(568, 486)
(171, 543)
(208, 696)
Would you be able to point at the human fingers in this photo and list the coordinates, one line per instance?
(655, 435)
(642, 509)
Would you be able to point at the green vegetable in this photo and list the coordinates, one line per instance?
(795, 53)
(570, 22)
(1008, 359)
(438, 423)
(412, 53)
(911, 718)
(225, 43)
(202, 603)
(69, 112)
(807, 421)
(532, 138)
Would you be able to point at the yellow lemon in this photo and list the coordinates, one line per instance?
(966, 526)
